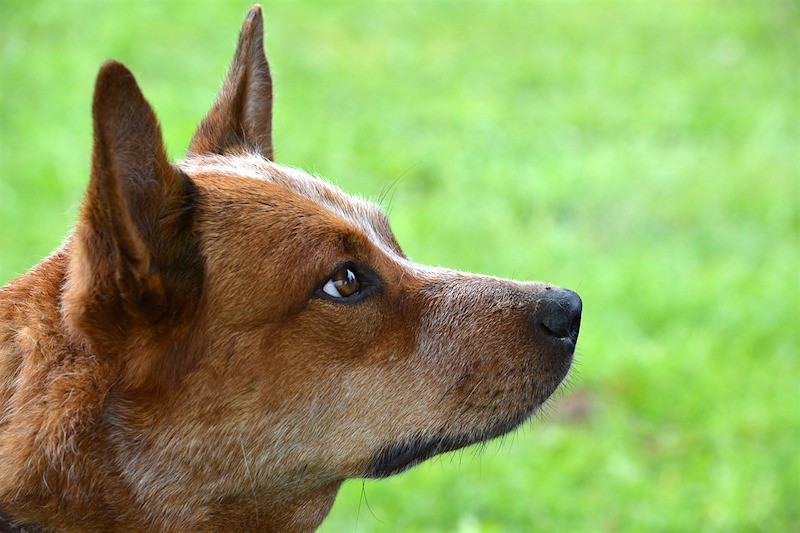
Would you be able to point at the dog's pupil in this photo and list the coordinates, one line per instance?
(346, 282)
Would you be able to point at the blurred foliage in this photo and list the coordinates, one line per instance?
(646, 154)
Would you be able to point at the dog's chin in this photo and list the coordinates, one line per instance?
(400, 456)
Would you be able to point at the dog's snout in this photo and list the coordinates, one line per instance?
(558, 315)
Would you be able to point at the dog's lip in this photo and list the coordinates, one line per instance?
(400, 456)
(570, 343)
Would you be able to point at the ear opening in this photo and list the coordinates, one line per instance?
(241, 117)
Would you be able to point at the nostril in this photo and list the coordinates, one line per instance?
(555, 325)
(575, 325)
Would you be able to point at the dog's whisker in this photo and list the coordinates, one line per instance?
(369, 508)
(250, 478)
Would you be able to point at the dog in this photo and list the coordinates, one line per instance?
(221, 342)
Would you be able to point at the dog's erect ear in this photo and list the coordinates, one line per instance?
(134, 258)
(242, 114)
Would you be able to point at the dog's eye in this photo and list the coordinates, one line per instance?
(343, 284)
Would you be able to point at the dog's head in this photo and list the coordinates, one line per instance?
(268, 328)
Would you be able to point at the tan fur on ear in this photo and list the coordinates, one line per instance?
(135, 261)
(242, 114)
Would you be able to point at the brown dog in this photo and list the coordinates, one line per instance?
(222, 342)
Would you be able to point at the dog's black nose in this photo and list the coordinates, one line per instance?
(558, 314)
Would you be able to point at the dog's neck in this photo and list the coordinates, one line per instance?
(52, 460)
(304, 513)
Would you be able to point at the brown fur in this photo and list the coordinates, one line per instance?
(175, 367)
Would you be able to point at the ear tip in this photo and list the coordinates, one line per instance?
(118, 101)
(114, 78)
(255, 12)
(113, 72)
(254, 23)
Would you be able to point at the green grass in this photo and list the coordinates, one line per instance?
(645, 154)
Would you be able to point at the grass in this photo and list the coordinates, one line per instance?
(642, 153)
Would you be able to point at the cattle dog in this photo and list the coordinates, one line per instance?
(222, 341)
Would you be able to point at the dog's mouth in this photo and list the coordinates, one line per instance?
(399, 457)
(531, 392)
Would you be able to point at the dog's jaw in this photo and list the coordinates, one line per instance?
(494, 385)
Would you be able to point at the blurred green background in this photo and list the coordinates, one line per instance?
(645, 154)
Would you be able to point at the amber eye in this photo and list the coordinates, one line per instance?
(343, 284)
